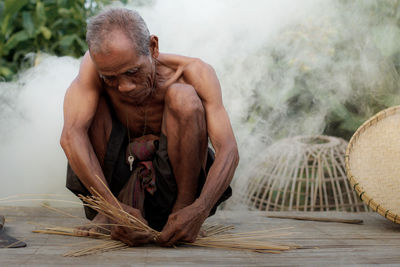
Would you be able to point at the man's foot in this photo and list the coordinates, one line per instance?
(97, 227)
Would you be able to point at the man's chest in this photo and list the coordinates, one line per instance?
(139, 119)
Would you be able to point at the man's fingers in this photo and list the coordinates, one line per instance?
(166, 234)
(169, 242)
(141, 235)
(175, 238)
(189, 239)
(85, 230)
(136, 241)
(183, 236)
(127, 241)
(130, 238)
(173, 233)
(165, 240)
(116, 233)
(178, 237)
(93, 232)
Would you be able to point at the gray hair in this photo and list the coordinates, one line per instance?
(127, 21)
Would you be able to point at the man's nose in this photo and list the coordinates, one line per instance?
(125, 85)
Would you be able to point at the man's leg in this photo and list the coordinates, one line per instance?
(184, 124)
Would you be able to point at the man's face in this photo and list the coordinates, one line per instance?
(125, 70)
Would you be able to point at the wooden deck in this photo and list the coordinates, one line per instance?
(377, 241)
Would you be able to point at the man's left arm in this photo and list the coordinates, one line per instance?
(184, 225)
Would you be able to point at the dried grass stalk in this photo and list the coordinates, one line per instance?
(250, 241)
(104, 246)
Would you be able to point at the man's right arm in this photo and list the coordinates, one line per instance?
(80, 104)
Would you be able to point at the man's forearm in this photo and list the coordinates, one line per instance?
(84, 163)
(218, 179)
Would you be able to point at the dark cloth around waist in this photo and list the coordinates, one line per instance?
(158, 206)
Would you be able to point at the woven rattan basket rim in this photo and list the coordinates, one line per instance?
(382, 210)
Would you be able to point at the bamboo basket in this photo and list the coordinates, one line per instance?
(373, 163)
(303, 173)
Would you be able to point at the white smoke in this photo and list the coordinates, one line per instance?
(264, 52)
(31, 159)
(283, 65)
(226, 34)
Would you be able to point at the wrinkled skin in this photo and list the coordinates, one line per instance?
(151, 94)
(129, 236)
(183, 225)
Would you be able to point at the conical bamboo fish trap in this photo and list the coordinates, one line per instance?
(373, 163)
(304, 173)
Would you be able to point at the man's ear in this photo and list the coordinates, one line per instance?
(154, 46)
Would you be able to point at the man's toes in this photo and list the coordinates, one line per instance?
(93, 232)
(81, 232)
(202, 233)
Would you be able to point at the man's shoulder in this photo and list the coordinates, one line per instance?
(175, 61)
(88, 75)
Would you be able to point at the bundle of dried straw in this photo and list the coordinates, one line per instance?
(250, 241)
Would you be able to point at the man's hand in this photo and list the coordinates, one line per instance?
(129, 236)
(183, 225)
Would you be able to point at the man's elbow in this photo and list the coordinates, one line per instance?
(233, 153)
(66, 140)
(236, 157)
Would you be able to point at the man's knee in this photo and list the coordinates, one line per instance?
(182, 101)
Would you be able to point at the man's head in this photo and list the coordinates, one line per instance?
(122, 20)
(123, 51)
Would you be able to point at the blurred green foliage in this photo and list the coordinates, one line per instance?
(334, 71)
(384, 25)
(294, 80)
(51, 26)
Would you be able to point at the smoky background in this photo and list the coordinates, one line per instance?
(286, 68)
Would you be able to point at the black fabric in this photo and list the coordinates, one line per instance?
(157, 207)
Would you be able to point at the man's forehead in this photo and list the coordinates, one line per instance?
(116, 60)
(111, 67)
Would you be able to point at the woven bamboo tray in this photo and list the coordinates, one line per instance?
(373, 163)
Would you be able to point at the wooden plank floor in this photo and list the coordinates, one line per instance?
(377, 241)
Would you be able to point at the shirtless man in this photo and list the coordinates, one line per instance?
(127, 90)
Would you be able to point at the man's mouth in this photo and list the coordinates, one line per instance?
(138, 92)
(139, 95)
